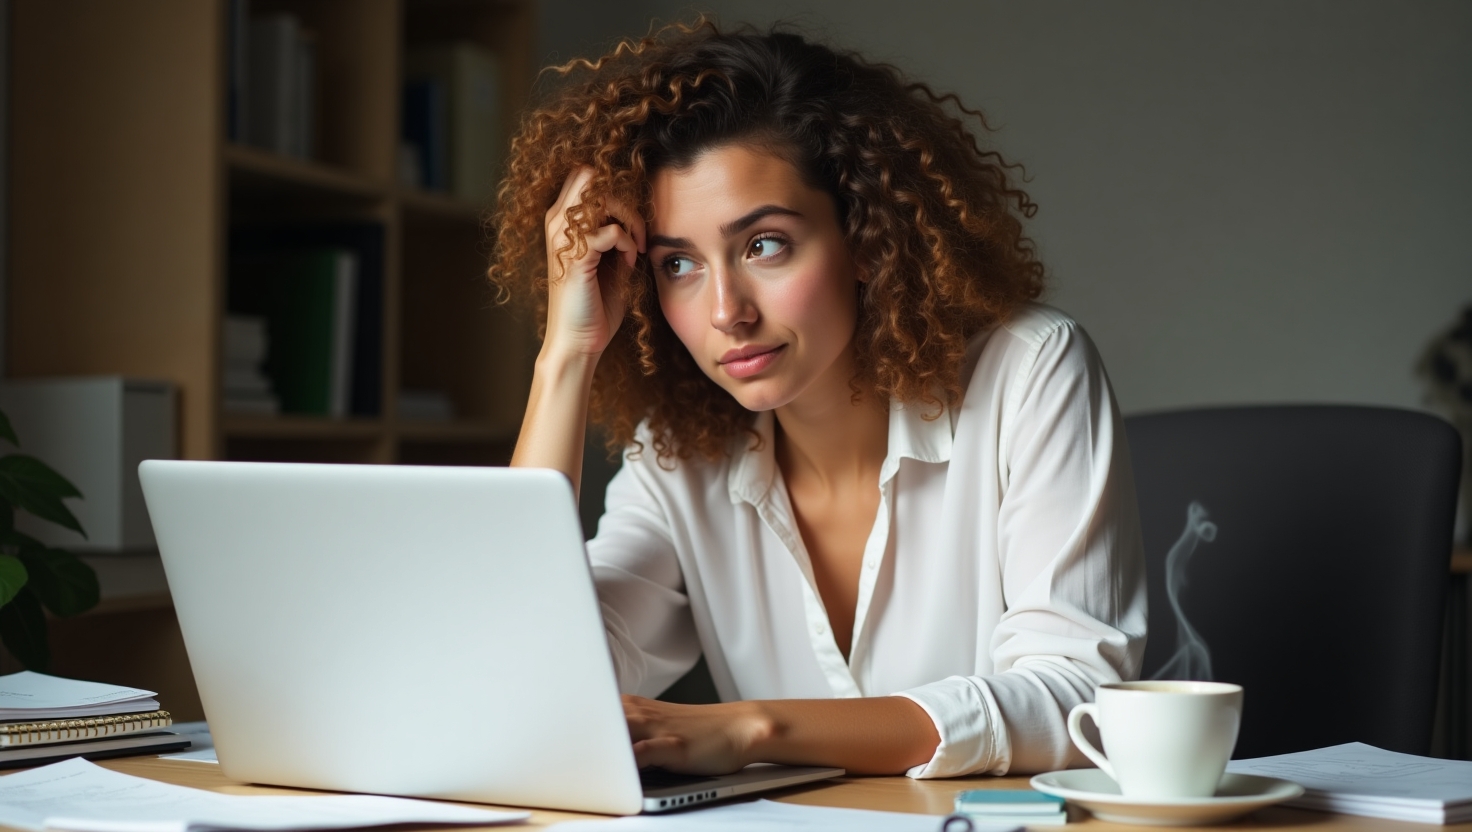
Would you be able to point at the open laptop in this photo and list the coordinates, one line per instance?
(419, 631)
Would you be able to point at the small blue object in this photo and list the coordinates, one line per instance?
(1007, 802)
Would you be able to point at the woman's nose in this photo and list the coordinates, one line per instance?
(732, 305)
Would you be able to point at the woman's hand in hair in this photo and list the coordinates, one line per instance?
(584, 297)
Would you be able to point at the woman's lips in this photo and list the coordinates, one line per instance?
(748, 361)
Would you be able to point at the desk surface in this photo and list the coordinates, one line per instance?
(895, 794)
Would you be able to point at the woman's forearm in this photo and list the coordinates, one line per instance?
(882, 735)
(552, 433)
(879, 735)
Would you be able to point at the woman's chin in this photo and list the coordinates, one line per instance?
(758, 397)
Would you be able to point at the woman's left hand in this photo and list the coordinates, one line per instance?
(695, 739)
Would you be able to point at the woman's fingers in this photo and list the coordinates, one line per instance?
(664, 752)
(630, 219)
(574, 189)
(572, 186)
(609, 238)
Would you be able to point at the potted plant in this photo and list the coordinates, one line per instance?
(36, 578)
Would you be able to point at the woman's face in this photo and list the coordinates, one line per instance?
(754, 277)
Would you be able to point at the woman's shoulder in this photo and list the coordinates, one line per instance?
(1035, 323)
(1016, 343)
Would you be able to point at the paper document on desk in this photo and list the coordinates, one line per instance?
(81, 797)
(32, 696)
(1360, 779)
(201, 744)
(769, 814)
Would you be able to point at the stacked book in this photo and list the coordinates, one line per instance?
(46, 718)
(1023, 807)
(247, 390)
(1360, 779)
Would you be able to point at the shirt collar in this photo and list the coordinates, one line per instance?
(753, 468)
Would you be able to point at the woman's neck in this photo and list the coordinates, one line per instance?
(831, 438)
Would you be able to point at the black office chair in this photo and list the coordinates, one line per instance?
(1321, 592)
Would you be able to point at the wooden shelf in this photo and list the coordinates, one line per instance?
(263, 170)
(302, 427)
(433, 205)
(451, 432)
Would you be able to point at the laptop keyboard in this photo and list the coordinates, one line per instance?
(658, 778)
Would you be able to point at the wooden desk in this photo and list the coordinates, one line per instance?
(894, 794)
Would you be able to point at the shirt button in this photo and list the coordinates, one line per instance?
(872, 565)
(822, 629)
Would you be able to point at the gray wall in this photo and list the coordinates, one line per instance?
(1242, 201)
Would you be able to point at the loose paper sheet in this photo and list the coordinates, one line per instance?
(77, 795)
(201, 744)
(770, 815)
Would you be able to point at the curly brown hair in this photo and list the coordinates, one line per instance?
(931, 219)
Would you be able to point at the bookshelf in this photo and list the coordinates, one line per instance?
(125, 192)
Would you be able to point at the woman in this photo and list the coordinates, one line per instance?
(885, 494)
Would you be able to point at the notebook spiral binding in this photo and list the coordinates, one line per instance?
(64, 730)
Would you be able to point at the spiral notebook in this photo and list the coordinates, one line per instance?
(47, 732)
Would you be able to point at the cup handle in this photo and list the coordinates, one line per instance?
(1075, 733)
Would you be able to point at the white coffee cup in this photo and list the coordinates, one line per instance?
(1165, 739)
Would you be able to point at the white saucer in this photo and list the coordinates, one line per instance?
(1237, 795)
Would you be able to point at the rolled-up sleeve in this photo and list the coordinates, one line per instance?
(640, 588)
(1070, 566)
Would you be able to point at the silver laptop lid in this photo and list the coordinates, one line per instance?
(420, 631)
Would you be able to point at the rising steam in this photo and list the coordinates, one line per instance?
(1192, 659)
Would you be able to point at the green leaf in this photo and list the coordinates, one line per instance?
(23, 631)
(30, 485)
(62, 582)
(13, 576)
(6, 431)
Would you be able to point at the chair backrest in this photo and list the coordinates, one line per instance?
(1322, 590)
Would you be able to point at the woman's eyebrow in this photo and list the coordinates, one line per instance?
(735, 226)
(667, 242)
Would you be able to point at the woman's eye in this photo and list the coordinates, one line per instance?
(676, 266)
(766, 246)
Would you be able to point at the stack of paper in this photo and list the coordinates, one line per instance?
(79, 796)
(1360, 779)
(47, 718)
(33, 696)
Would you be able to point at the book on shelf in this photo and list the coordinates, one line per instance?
(307, 295)
(422, 158)
(452, 114)
(425, 406)
(238, 22)
(279, 88)
(260, 258)
(48, 718)
(246, 388)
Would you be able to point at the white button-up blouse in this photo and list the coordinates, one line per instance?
(1002, 582)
